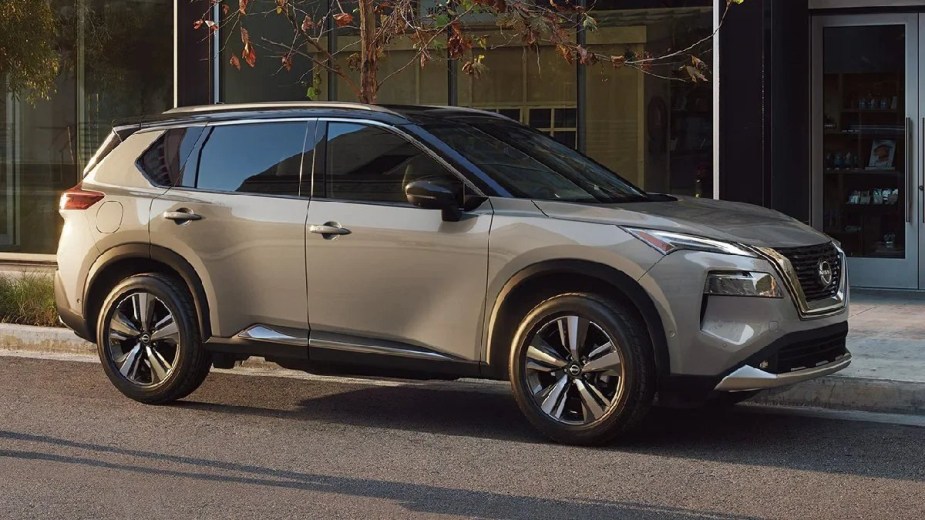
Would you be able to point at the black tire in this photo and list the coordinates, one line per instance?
(190, 361)
(626, 409)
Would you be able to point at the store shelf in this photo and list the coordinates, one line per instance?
(861, 171)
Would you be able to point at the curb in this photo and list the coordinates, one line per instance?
(851, 393)
(837, 392)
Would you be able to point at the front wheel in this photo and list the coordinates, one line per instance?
(581, 369)
(148, 339)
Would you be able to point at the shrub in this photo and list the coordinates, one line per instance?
(28, 299)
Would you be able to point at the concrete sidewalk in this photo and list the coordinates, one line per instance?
(886, 339)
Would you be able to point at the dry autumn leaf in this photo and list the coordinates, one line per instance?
(343, 19)
(235, 62)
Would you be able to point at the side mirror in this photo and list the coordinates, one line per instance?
(430, 195)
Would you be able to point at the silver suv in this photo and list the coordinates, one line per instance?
(428, 242)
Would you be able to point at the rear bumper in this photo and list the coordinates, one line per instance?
(71, 318)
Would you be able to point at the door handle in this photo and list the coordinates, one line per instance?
(181, 216)
(910, 197)
(328, 230)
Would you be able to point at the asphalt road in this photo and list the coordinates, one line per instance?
(266, 447)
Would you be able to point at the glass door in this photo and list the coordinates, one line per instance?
(865, 119)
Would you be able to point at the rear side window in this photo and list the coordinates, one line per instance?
(260, 158)
(165, 161)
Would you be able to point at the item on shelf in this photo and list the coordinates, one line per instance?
(889, 240)
(850, 160)
(877, 196)
(829, 161)
(865, 197)
(893, 196)
(884, 103)
(882, 152)
(895, 103)
(855, 197)
(852, 229)
(839, 161)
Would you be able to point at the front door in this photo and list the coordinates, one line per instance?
(867, 131)
(236, 214)
(385, 277)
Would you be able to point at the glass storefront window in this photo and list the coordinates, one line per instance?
(653, 129)
(268, 79)
(116, 62)
(535, 87)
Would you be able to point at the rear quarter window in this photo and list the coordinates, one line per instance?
(164, 162)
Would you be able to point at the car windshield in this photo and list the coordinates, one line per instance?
(532, 165)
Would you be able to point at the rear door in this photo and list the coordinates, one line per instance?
(237, 215)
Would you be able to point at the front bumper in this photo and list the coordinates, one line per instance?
(710, 336)
(749, 378)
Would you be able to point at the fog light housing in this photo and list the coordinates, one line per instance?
(739, 283)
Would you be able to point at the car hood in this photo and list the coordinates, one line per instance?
(722, 220)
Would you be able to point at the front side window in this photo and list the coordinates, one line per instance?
(532, 165)
(372, 164)
(258, 158)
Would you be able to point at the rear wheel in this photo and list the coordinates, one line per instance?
(581, 369)
(148, 339)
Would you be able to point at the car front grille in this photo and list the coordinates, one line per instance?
(806, 260)
(808, 354)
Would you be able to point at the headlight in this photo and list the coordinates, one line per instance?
(737, 283)
(667, 242)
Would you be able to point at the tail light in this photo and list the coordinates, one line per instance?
(79, 198)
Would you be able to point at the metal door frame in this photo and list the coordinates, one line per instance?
(9, 201)
(910, 275)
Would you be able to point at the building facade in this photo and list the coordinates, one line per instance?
(813, 107)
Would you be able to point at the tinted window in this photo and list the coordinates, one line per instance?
(165, 160)
(532, 165)
(368, 163)
(263, 158)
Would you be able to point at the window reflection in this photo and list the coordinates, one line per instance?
(116, 62)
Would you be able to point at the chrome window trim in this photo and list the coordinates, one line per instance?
(814, 309)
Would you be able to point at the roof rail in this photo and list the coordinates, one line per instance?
(246, 107)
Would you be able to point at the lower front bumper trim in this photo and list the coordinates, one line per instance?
(750, 378)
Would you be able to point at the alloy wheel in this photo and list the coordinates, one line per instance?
(143, 339)
(574, 370)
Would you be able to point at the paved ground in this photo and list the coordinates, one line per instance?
(887, 335)
(262, 447)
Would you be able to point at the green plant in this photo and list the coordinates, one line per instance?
(29, 59)
(28, 299)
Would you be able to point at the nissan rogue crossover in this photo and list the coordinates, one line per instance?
(433, 242)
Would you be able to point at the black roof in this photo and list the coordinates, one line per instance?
(393, 114)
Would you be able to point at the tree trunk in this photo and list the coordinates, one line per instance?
(369, 54)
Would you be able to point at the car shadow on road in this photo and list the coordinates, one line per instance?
(418, 498)
(739, 435)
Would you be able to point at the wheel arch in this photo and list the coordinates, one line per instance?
(545, 279)
(126, 260)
